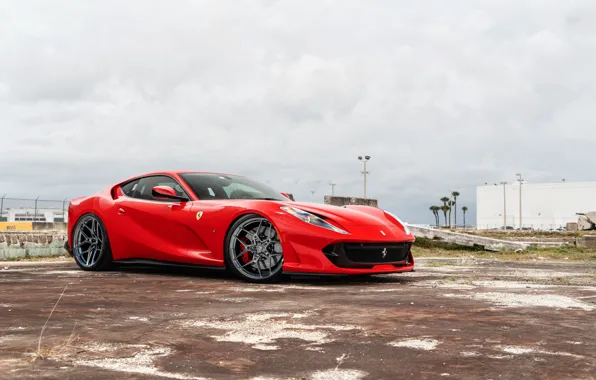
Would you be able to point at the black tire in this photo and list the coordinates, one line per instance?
(90, 226)
(233, 264)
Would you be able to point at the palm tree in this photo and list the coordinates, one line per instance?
(432, 208)
(435, 210)
(445, 200)
(464, 209)
(455, 194)
(445, 208)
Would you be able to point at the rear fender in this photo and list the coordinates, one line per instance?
(76, 208)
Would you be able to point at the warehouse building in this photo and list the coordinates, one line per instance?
(544, 206)
(50, 215)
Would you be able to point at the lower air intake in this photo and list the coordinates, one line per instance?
(366, 255)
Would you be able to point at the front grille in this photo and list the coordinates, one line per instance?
(377, 253)
(366, 255)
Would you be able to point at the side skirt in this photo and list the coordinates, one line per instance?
(144, 262)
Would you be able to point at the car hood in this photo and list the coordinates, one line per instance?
(344, 216)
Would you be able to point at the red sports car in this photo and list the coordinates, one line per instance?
(224, 221)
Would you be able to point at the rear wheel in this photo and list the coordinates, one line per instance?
(253, 249)
(90, 246)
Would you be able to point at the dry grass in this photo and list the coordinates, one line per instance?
(65, 257)
(47, 353)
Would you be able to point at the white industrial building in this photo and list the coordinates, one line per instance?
(544, 206)
(50, 215)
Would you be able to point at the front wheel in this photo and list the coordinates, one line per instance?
(91, 247)
(253, 249)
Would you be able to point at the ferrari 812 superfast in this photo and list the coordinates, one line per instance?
(230, 222)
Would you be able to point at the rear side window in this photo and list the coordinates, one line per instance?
(130, 187)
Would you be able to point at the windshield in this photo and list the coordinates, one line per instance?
(220, 186)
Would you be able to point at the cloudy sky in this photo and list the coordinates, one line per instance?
(444, 95)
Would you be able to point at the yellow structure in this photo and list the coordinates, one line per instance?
(16, 226)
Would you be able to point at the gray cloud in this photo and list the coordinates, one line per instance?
(443, 96)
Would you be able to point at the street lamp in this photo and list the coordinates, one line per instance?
(35, 216)
(64, 210)
(520, 199)
(2, 205)
(504, 207)
(366, 158)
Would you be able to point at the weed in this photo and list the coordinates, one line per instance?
(43, 353)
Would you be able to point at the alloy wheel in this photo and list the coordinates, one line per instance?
(88, 241)
(255, 249)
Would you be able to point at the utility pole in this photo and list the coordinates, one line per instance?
(366, 158)
(35, 216)
(520, 200)
(504, 207)
(332, 189)
(2, 206)
(64, 210)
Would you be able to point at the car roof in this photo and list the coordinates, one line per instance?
(172, 172)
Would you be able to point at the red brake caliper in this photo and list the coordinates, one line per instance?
(246, 257)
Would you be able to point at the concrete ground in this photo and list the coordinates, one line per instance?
(449, 319)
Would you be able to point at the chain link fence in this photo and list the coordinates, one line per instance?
(36, 210)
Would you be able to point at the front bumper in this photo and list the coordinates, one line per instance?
(364, 251)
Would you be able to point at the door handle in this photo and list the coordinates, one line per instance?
(121, 211)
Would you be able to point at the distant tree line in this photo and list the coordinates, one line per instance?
(449, 205)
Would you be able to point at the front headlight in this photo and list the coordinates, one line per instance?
(406, 229)
(312, 219)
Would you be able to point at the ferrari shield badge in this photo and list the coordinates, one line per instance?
(199, 214)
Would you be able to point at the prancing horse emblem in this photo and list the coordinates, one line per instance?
(199, 214)
(384, 253)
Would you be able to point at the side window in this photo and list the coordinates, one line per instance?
(130, 187)
(143, 189)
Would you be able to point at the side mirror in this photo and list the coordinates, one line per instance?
(285, 195)
(166, 192)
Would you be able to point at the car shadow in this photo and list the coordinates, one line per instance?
(348, 280)
(288, 279)
(175, 271)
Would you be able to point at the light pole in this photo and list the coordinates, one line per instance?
(2, 206)
(366, 158)
(504, 207)
(520, 199)
(35, 216)
(64, 210)
(332, 188)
